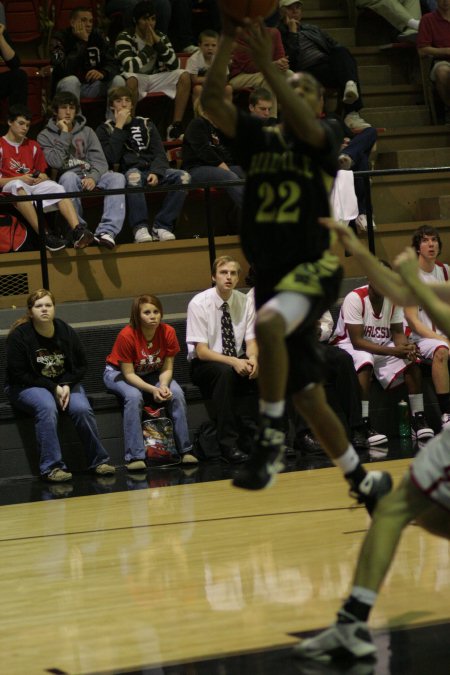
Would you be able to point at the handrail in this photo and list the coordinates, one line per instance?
(206, 186)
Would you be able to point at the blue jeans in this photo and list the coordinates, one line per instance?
(41, 403)
(218, 175)
(113, 207)
(171, 206)
(359, 150)
(133, 402)
(96, 89)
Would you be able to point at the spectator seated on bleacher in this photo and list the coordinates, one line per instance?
(150, 64)
(22, 172)
(14, 82)
(404, 15)
(343, 395)
(431, 342)
(207, 157)
(134, 144)
(82, 59)
(355, 156)
(198, 63)
(45, 366)
(434, 40)
(310, 49)
(219, 320)
(370, 329)
(139, 370)
(243, 71)
(260, 104)
(74, 151)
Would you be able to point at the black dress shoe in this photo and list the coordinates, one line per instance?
(359, 439)
(234, 456)
(305, 442)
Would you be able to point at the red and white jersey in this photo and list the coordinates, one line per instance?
(357, 310)
(439, 274)
(17, 160)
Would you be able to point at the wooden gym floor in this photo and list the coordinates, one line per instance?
(178, 573)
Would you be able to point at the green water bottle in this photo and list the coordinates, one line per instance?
(404, 426)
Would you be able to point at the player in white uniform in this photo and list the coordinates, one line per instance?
(424, 494)
(430, 340)
(370, 329)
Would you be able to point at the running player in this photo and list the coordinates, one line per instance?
(422, 497)
(290, 169)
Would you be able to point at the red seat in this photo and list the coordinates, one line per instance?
(64, 8)
(22, 20)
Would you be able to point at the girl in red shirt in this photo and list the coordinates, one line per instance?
(141, 364)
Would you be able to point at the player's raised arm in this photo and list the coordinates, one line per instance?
(407, 266)
(386, 281)
(221, 112)
(299, 116)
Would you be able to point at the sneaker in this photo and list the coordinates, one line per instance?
(345, 162)
(104, 470)
(54, 243)
(372, 488)
(189, 458)
(354, 121)
(136, 465)
(341, 640)
(142, 235)
(420, 429)
(359, 438)
(175, 132)
(160, 234)
(104, 239)
(445, 420)
(408, 35)
(82, 237)
(361, 223)
(58, 475)
(264, 463)
(351, 93)
(374, 437)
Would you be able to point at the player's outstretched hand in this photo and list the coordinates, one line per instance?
(406, 264)
(346, 236)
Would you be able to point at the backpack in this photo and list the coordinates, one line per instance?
(13, 233)
(205, 441)
(159, 440)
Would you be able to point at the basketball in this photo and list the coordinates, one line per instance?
(251, 9)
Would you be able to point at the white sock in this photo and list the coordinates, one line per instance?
(348, 461)
(365, 408)
(271, 409)
(413, 23)
(416, 403)
(364, 595)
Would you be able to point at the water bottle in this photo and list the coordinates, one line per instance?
(404, 427)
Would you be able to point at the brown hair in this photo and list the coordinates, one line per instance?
(31, 301)
(218, 262)
(135, 318)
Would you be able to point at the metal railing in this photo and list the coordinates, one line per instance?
(206, 187)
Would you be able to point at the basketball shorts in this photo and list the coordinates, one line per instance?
(430, 470)
(389, 370)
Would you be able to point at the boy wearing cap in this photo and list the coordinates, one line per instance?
(312, 50)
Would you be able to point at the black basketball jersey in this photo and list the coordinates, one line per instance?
(288, 183)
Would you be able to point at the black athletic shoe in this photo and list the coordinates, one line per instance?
(82, 237)
(264, 463)
(421, 430)
(374, 437)
(372, 488)
(359, 439)
(54, 243)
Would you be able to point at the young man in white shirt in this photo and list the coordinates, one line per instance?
(220, 369)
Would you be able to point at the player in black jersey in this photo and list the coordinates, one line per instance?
(290, 169)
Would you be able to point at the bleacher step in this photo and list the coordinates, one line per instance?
(397, 116)
(437, 208)
(392, 95)
(413, 158)
(370, 75)
(405, 138)
(326, 19)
